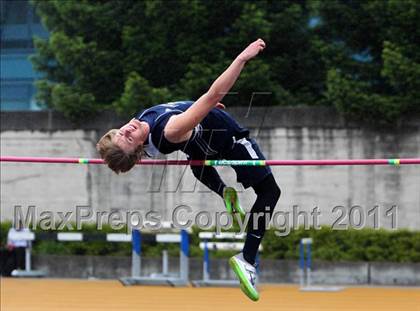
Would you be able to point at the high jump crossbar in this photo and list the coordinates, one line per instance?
(345, 162)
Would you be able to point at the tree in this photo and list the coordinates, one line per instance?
(373, 57)
(125, 55)
(359, 56)
(82, 58)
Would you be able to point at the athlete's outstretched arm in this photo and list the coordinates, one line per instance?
(179, 127)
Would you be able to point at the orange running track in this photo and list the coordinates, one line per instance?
(81, 295)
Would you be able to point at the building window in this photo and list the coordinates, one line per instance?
(16, 96)
(16, 44)
(15, 12)
(19, 24)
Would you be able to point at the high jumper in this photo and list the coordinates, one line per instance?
(203, 130)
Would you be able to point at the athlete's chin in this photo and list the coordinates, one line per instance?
(138, 139)
(136, 123)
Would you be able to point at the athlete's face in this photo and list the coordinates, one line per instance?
(130, 136)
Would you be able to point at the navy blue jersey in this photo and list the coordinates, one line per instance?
(211, 138)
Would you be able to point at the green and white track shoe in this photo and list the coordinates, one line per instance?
(247, 275)
(230, 196)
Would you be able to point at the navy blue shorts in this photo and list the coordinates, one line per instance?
(247, 149)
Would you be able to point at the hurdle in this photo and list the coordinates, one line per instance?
(60, 237)
(164, 278)
(206, 245)
(27, 236)
(305, 268)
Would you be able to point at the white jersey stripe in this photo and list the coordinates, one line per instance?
(247, 144)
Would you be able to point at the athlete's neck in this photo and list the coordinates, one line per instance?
(145, 129)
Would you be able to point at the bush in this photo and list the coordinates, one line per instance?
(347, 245)
(331, 245)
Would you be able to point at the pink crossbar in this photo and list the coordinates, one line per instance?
(225, 163)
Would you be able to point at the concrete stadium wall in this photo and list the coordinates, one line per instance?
(272, 271)
(283, 133)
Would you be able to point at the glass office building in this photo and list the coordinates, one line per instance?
(19, 24)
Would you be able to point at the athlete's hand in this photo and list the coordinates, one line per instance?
(252, 50)
(220, 106)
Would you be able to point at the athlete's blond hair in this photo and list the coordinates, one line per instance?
(117, 159)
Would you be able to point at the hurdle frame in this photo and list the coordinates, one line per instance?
(27, 236)
(207, 281)
(305, 269)
(59, 237)
(165, 278)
